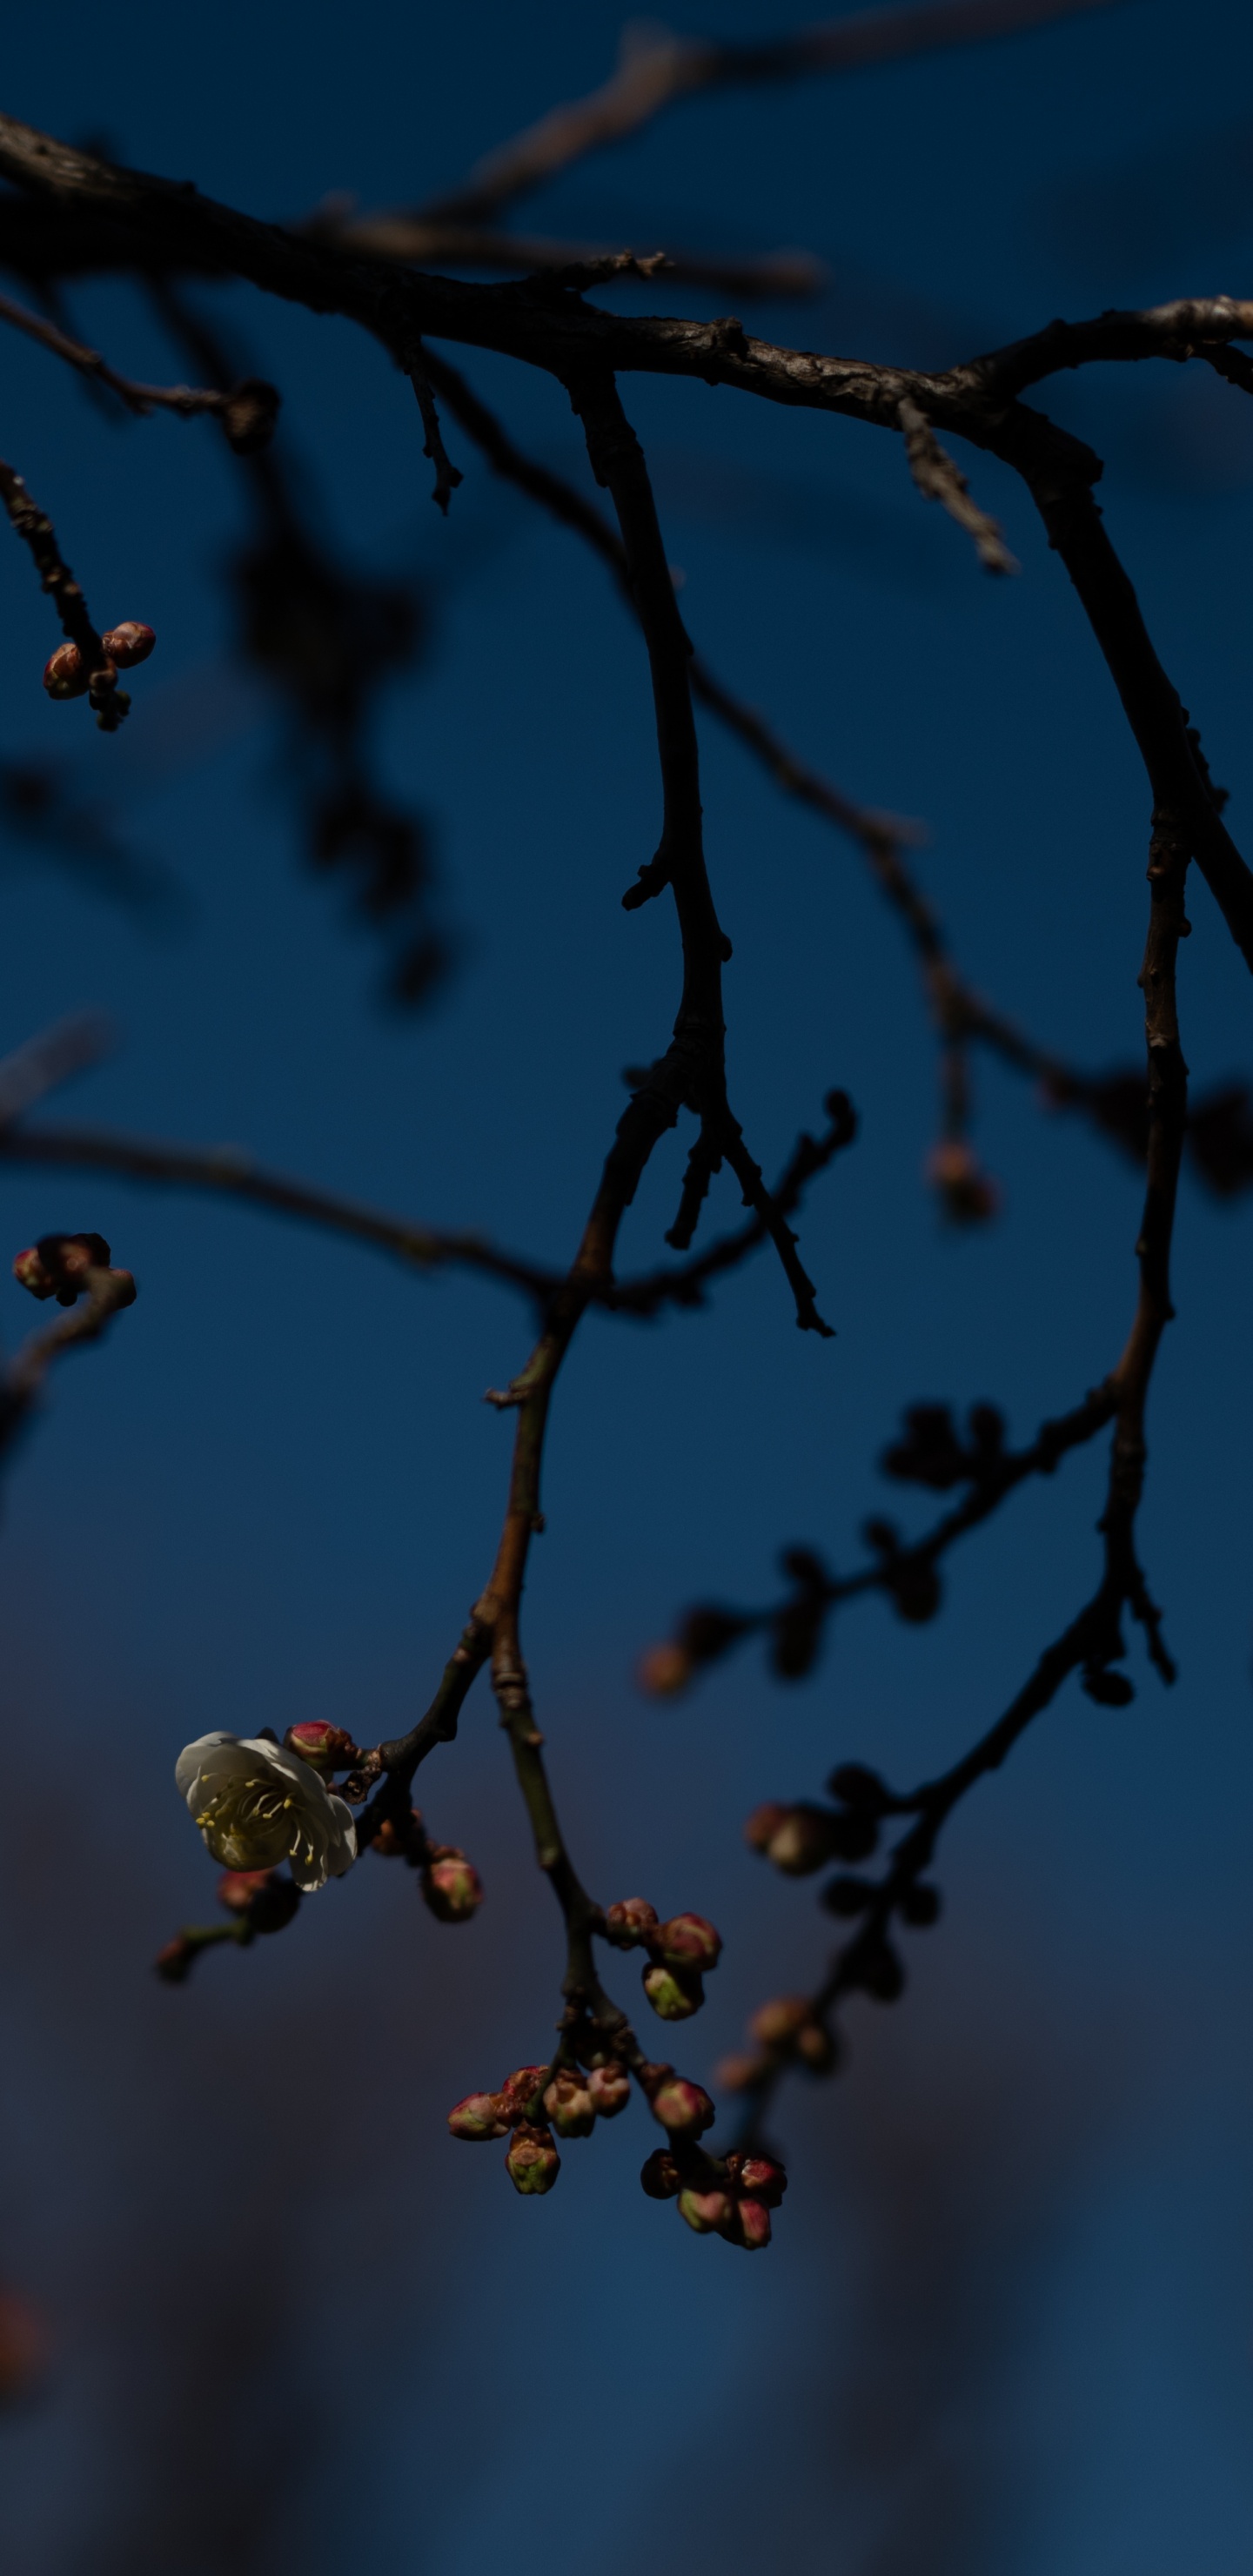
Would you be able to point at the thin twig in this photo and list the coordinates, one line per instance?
(35, 528)
(447, 476)
(939, 479)
(240, 410)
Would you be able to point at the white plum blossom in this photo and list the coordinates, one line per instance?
(257, 1805)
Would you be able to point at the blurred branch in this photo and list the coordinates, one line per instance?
(658, 69)
(408, 235)
(247, 412)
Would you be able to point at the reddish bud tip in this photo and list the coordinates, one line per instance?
(610, 2089)
(763, 2178)
(659, 2175)
(665, 1671)
(128, 643)
(674, 1993)
(269, 1899)
(776, 2023)
(452, 1889)
(64, 674)
(173, 1963)
(628, 1923)
(532, 2163)
(29, 1272)
(688, 1941)
(705, 2211)
(968, 1194)
(480, 2116)
(237, 1887)
(682, 2108)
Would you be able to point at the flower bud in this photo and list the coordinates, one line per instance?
(173, 1963)
(776, 2023)
(521, 2087)
(532, 2163)
(569, 2104)
(65, 674)
(480, 2116)
(129, 643)
(688, 1941)
(29, 1272)
(328, 1748)
(706, 2210)
(801, 1841)
(452, 1889)
(265, 1896)
(659, 2175)
(237, 1888)
(682, 2108)
(58, 1264)
(763, 1825)
(752, 2225)
(739, 2073)
(248, 415)
(816, 2048)
(665, 1670)
(764, 2179)
(610, 2089)
(628, 1923)
(674, 1993)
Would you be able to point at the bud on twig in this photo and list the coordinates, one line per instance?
(65, 674)
(568, 2102)
(328, 1748)
(57, 1266)
(520, 2088)
(129, 643)
(706, 2211)
(630, 1922)
(264, 1896)
(532, 2163)
(659, 2175)
(674, 1993)
(682, 2108)
(173, 1963)
(688, 1941)
(479, 2117)
(610, 2089)
(452, 1888)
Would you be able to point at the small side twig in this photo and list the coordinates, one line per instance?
(447, 475)
(939, 479)
(109, 703)
(247, 411)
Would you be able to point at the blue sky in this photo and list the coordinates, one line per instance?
(276, 1490)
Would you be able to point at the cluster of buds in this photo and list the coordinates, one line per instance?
(681, 1954)
(69, 1266)
(706, 1633)
(586, 2083)
(968, 1195)
(450, 1884)
(66, 674)
(729, 2196)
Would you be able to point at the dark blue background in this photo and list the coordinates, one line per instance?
(1006, 2317)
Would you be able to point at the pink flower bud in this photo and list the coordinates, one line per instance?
(128, 643)
(521, 2087)
(568, 2102)
(665, 1670)
(265, 1896)
(763, 2179)
(816, 2048)
(610, 2089)
(688, 1941)
(29, 1272)
(532, 2163)
(452, 1889)
(682, 2108)
(629, 1923)
(752, 2225)
(480, 2116)
(674, 1993)
(706, 2210)
(801, 1841)
(327, 1748)
(64, 674)
(659, 2175)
